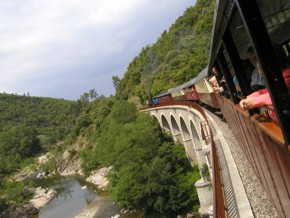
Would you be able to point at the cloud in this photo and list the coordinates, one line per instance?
(62, 48)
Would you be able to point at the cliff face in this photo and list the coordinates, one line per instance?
(68, 165)
(68, 161)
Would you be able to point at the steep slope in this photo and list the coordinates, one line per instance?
(177, 56)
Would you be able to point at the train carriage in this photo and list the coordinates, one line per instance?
(164, 97)
(204, 89)
(190, 90)
(263, 25)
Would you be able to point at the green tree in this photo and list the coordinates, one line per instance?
(116, 82)
(150, 172)
(85, 97)
(93, 94)
(16, 144)
(124, 112)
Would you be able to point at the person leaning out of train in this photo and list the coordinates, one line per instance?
(262, 97)
(257, 80)
(215, 86)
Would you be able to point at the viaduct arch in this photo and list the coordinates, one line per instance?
(198, 133)
(188, 125)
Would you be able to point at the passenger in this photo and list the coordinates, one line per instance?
(216, 73)
(148, 102)
(257, 80)
(218, 82)
(262, 97)
(215, 85)
(155, 101)
(237, 85)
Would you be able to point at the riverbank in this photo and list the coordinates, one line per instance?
(42, 196)
(100, 208)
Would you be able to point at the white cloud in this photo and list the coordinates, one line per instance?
(78, 44)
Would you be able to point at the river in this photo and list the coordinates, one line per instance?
(73, 196)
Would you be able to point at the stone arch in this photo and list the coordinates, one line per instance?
(164, 124)
(195, 136)
(187, 142)
(175, 127)
(176, 131)
(155, 116)
(184, 129)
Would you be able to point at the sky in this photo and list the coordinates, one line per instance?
(63, 48)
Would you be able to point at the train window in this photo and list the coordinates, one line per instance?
(260, 31)
(263, 28)
(246, 55)
(227, 77)
(248, 34)
(276, 17)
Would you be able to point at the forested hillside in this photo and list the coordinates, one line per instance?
(178, 55)
(29, 125)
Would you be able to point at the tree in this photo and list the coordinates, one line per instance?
(124, 112)
(116, 82)
(150, 172)
(93, 94)
(85, 97)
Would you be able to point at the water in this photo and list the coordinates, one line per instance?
(71, 199)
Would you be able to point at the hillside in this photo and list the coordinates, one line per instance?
(29, 125)
(178, 55)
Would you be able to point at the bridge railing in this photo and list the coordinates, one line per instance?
(218, 192)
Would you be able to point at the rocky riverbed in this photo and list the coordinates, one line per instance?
(42, 196)
(96, 208)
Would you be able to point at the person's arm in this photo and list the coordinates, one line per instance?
(253, 101)
(257, 93)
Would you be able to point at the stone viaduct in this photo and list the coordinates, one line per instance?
(190, 125)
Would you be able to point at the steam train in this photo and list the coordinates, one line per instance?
(239, 24)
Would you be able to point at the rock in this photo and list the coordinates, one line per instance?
(68, 166)
(23, 211)
(99, 178)
(44, 158)
(42, 197)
